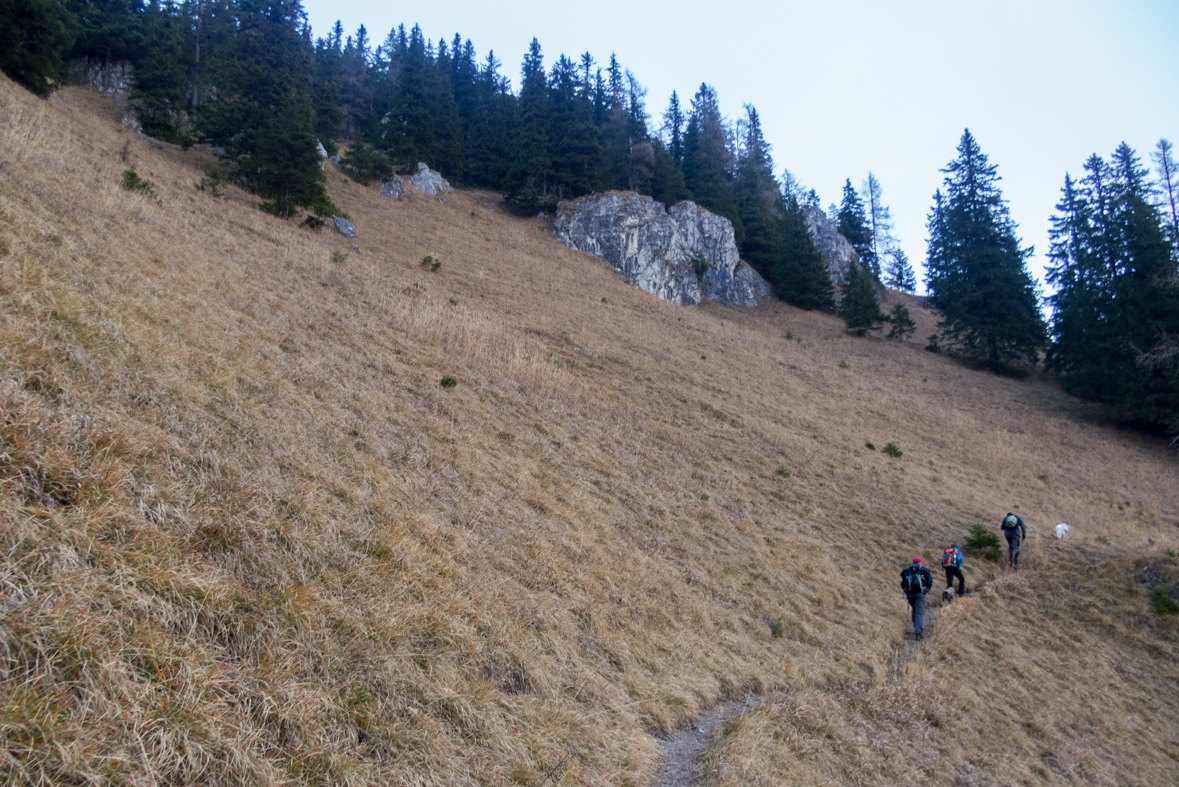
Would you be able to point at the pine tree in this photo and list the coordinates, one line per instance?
(673, 130)
(263, 114)
(759, 201)
(708, 160)
(489, 142)
(35, 37)
(576, 154)
(1116, 308)
(899, 273)
(161, 72)
(326, 85)
(853, 225)
(860, 307)
(977, 274)
(799, 276)
(530, 183)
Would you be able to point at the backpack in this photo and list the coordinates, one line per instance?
(1010, 522)
(951, 558)
(912, 581)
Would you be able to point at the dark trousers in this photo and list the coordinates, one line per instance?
(917, 602)
(955, 571)
(1013, 551)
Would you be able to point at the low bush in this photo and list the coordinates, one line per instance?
(449, 382)
(132, 182)
(892, 450)
(983, 543)
(1162, 603)
(364, 164)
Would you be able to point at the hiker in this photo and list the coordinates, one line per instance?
(916, 581)
(1013, 531)
(952, 563)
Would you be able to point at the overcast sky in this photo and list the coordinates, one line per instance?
(844, 87)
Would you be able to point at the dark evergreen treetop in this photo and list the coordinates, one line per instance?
(35, 37)
(1115, 320)
(853, 225)
(976, 271)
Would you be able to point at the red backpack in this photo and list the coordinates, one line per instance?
(951, 558)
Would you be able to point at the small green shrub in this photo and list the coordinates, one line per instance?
(449, 382)
(892, 450)
(933, 346)
(778, 628)
(788, 336)
(1162, 603)
(1103, 540)
(843, 365)
(603, 300)
(338, 257)
(870, 446)
(1171, 553)
(983, 543)
(452, 301)
(704, 357)
(782, 471)
(313, 222)
(430, 263)
(699, 266)
(703, 495)
(132, 182)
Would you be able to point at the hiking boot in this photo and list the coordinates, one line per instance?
(920, 635)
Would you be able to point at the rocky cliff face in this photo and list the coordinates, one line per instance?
(683, 255)
(836, 250)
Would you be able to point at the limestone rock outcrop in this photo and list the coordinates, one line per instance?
(425, 181)
(683, 255)
(836, 250)
(343, 226)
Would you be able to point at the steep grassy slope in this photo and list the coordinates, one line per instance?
(250, 539)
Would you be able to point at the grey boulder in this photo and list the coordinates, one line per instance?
(683, 255)
(344, 227)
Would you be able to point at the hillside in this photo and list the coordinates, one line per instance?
(250, 539)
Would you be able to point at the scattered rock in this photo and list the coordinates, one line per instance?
(394, 189)
(218, 151)
(322, 151)
(683, 255)
(156, 145)
(337, 160)
(429, 182)
(837, 252)
(344, 227)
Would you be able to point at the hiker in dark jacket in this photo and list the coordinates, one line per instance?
(1013, 531)
(916, 581)
(952, 563)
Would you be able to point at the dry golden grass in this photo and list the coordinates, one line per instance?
(249, 539)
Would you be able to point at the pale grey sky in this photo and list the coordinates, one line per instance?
(848, 86)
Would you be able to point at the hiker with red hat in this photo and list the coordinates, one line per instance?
(916, 581)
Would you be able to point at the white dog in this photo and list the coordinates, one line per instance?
(1062, 530)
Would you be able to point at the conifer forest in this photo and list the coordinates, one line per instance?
(251, 78)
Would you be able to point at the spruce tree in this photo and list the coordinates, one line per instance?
(860, 307)
(977, 274)
(35, 37)
(898, 272)
(708, 161)
(759, 201)
(161, 72)
(576, 154)
(530, 183)
(853, 225)
(799, 276)
(263, 114)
